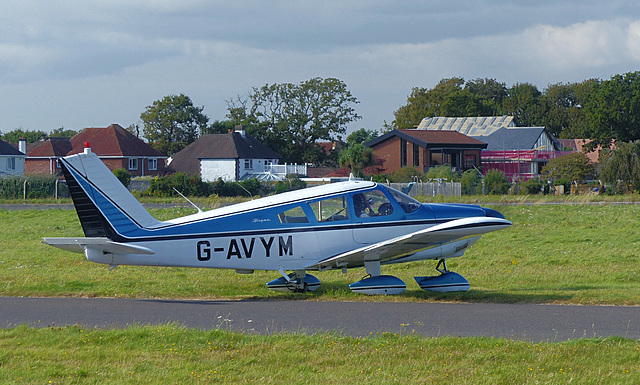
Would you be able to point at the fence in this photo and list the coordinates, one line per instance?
(429, 188)
(33, 188)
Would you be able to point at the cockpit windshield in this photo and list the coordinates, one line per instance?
(407, 203)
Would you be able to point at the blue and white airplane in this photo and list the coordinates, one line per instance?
(335, 226)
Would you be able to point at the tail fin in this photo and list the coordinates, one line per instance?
(104, 206)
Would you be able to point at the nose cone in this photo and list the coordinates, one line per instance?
(493, 213)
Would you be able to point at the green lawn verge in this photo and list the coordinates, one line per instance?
(168, 354)
(578, 254)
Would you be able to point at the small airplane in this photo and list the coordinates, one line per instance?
(342, 225)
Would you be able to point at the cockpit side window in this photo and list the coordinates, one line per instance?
(331, 209)
(293, 215)
(407, 203)
(371, 204)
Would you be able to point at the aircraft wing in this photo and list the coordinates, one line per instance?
(78, 245)
(421, 240)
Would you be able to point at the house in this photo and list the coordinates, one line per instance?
(426, 148)
(232, 157)
(43, 156)
(579, 145)
(11, 160)
(521, 152)
(118, 148)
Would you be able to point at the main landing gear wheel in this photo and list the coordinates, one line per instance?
(296, 282)
(447, 281)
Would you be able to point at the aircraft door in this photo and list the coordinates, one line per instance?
(371, 209)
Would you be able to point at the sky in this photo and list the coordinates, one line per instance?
(91, 63)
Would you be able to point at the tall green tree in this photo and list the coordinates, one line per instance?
(523, 102)
(291, 118)
(30, 136)
(613, 109)
(451, 97)
(357, 158)
(564, 106)
(574, 166)
(621, 166)
(172, 123)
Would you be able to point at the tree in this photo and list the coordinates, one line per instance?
(291, 118)
(565, 114)
(613, 110)
(361, 136)
(357, 158)
(62, 133)
(30, 136)
(574, 166)
(524, 104)
(451, 97)
(622, 165)
(172, 123)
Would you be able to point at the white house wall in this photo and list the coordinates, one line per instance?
(19, 162)
(212, 169)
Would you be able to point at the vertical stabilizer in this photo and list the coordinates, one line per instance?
(103, 204)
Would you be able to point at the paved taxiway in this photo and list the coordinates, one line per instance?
(521, 321)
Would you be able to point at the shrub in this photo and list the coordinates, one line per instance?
(495, 182)
(292, 182)
(123, 176)
(532, 186)
(405, 175)
(471, 182)
(188, 185)
(442, 172)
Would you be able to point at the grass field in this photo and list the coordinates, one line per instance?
(168, 354)
(578, 254)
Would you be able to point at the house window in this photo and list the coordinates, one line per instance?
(248, 164)
(153, 164)
(133, 163)
(416, 155)
(403, 152)
(11, 163)
(469, 161)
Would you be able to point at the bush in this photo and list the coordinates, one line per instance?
(442, 172)
(405, 175)
(495, 182)
(37, 187)
(188, 185)
(471, 182)
(292, 182)
(532, 186)
(123, 176)
(563, 182)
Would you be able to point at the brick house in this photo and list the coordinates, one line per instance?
(423, 149)
(43, 156)
(118, 148)
(115, 146)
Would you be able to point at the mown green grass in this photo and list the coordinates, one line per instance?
(168, 354)
(578, 254)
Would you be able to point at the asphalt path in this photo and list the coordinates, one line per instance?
(517, 321)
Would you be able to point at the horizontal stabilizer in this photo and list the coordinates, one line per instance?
(78, 245)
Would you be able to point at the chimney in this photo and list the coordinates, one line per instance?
(22, 145)
(240, 129)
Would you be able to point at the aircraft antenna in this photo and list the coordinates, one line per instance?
(187, 199)
(248, 192)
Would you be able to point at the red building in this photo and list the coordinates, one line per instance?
(423, 149)
(115, 146)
